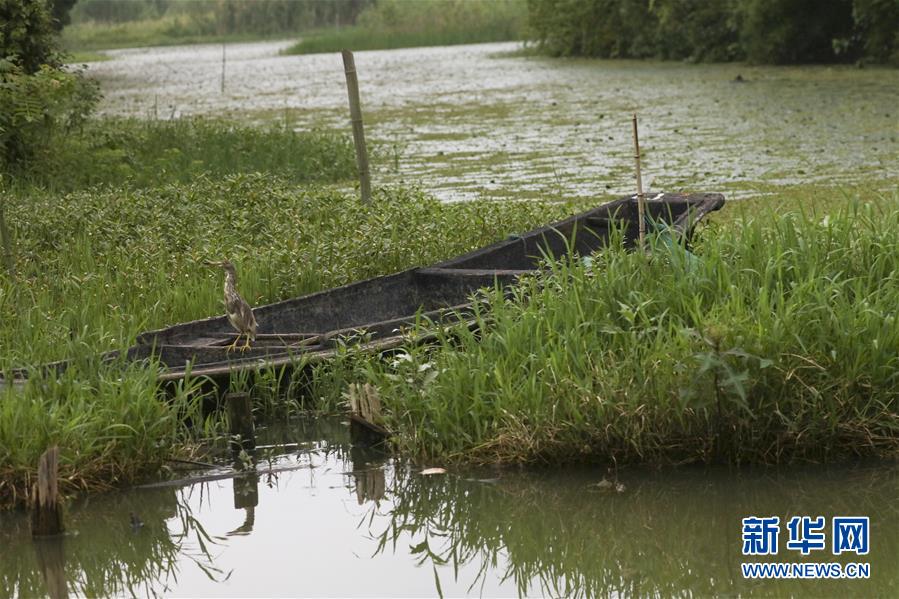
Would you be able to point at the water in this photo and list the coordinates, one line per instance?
(470, 121)
(334, 520)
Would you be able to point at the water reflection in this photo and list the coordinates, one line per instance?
(104, 553)
(670, 533)
(334, 519)
(369, 474)
(246, 497)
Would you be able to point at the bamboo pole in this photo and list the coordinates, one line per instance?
(223, 68)
(641, 200)
(352, 88)
(6, 240)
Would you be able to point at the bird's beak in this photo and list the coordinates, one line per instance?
(211, 263)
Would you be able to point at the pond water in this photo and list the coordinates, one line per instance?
(470, 121)
(319, 517)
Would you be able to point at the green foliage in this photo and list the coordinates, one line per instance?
(766, 31)
(39, 102)
(94, 268)
(779, 344)
(102, 24)
(111, 423)
(696, 31)
(148, 153)
(610, 28)
(37, 110)
(59, 12)
(407, 23)
(141, 250)
(27, 36)
(878, 32)
(793, 31)
(115, 11)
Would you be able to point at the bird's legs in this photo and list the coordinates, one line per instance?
(246, 345)
(233, 346)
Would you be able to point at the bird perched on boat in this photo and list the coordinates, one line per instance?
(240, 315)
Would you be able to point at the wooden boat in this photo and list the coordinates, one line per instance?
(376, 311)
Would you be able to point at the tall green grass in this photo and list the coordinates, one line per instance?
(778, 344)
(141, 153)
(413, 23)
(110, 422)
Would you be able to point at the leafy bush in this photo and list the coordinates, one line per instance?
(793, 31)
(27, 36)
(877, 22)
(768, 31)
(38, 101)
(35, 109)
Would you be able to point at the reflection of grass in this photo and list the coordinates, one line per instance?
(725, 357)
(666, 535)
(106, 556)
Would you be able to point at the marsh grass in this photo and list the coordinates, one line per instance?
(167, 31)
(110, 421)
(93, 268)
(393, 24)
(778, 344)
(101, 265)
(86, 56)
(148, 153)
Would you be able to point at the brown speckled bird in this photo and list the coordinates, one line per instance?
(240, 315)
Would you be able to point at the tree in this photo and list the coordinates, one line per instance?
(27, 36)
(59, 13)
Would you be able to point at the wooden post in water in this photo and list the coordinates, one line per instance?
(641, 200)
(352, 88)
(365, 416)
(240, 416)
(46, 510)
(223, 68)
